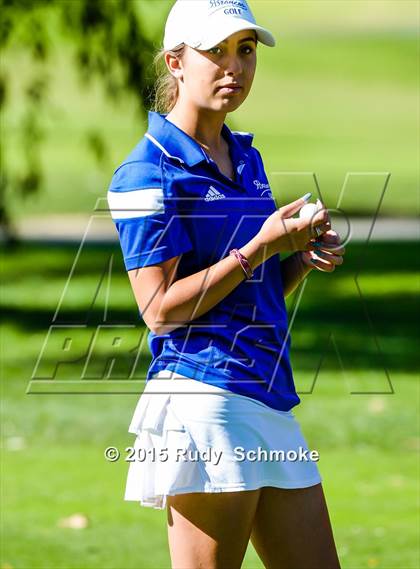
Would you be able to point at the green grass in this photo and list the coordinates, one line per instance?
(368, 442)
(369, 493)
(338, 94)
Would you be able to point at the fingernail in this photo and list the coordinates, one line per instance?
(307, 197)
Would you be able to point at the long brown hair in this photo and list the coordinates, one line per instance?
(166, 85)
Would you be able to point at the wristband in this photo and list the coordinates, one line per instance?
(243, 262)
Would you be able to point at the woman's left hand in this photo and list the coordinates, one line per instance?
(326, 252)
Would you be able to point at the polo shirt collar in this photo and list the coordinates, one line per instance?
(176, 143)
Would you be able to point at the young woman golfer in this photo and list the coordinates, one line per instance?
(217, 442)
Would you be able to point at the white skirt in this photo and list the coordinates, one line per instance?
(195, 437)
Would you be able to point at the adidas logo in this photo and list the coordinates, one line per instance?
(213, 194)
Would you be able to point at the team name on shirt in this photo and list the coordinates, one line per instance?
(261, 186)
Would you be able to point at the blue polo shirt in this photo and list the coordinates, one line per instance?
(168, 198)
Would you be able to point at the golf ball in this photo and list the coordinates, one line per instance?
(308, 210)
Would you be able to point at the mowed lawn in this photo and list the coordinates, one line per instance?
(359, 410)
(337, 96)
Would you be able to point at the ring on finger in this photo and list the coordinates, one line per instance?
(318, 231)
(322, 254)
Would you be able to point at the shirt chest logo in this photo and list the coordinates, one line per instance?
(264, 187)
(213, 194)
(241, 167)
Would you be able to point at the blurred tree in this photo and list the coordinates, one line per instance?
(109, 43)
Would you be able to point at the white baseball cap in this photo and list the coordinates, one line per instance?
(202, 24)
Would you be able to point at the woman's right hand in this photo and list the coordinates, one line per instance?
(281, 232)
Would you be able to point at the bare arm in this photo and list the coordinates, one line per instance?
(293, 271)
(167, 304)
(171, 304)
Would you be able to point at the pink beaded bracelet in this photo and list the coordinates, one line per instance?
(243, 262)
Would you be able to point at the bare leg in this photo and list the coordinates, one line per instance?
(210, 530)
(292, 529)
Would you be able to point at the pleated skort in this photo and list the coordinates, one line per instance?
(195, 437)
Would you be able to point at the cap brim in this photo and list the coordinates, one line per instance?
(235, 25)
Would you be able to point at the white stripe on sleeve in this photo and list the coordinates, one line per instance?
(135, 203)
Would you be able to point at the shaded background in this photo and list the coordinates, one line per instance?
(337, 97)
